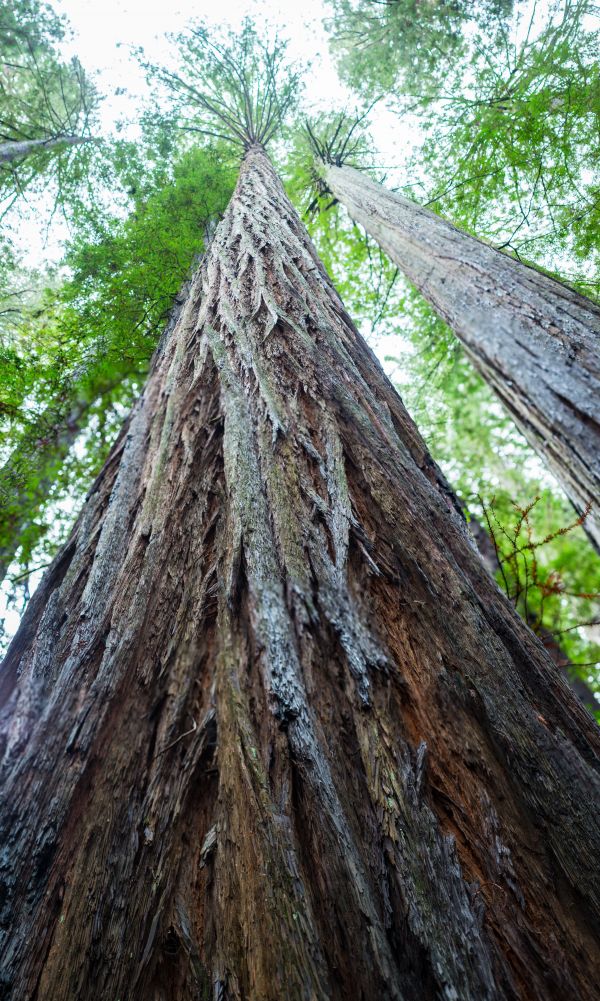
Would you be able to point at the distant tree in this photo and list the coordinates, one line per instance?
(46, 103)
(509, 109)
(406, 45)
(535, 341)
(511, 144)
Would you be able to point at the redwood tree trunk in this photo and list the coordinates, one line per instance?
(534, 341)
(270, 729)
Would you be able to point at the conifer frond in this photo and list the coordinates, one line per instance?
(238, 88)
(340, 139)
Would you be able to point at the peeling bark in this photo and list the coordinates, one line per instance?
(270, 730)
(535, 341)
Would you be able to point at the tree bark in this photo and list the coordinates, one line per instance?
(534, 341)
(270, 729)
(17, 149)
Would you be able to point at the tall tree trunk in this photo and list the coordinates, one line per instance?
(534, 341)
(270, 729)
(18, 149)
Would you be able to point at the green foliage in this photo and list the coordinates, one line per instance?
(511, 145)
(81, 357)
(405, 45)
(236, 88)
(509, 108)
(542, 569)
(125, 280)
(17, 288)
(42, 97)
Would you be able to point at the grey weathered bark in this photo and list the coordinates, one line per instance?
(535, 341)
(17, 149)
(269, 728)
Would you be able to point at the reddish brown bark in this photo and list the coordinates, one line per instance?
(269, 728)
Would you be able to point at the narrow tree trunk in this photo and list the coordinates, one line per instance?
(534, 341)
(23, 490)
(21, 500)
(270, 729)
(17, 149)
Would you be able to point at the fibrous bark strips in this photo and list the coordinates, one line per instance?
(270, 730)
(535, 341)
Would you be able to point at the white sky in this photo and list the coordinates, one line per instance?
(104, 32)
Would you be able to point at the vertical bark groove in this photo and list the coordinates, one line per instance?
(273, 731)
(534, 341)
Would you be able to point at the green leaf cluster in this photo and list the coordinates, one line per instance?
(405, 45)
(511, 141)
(81, 356)
(43, 97)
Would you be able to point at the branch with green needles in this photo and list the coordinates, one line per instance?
(239, 89)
